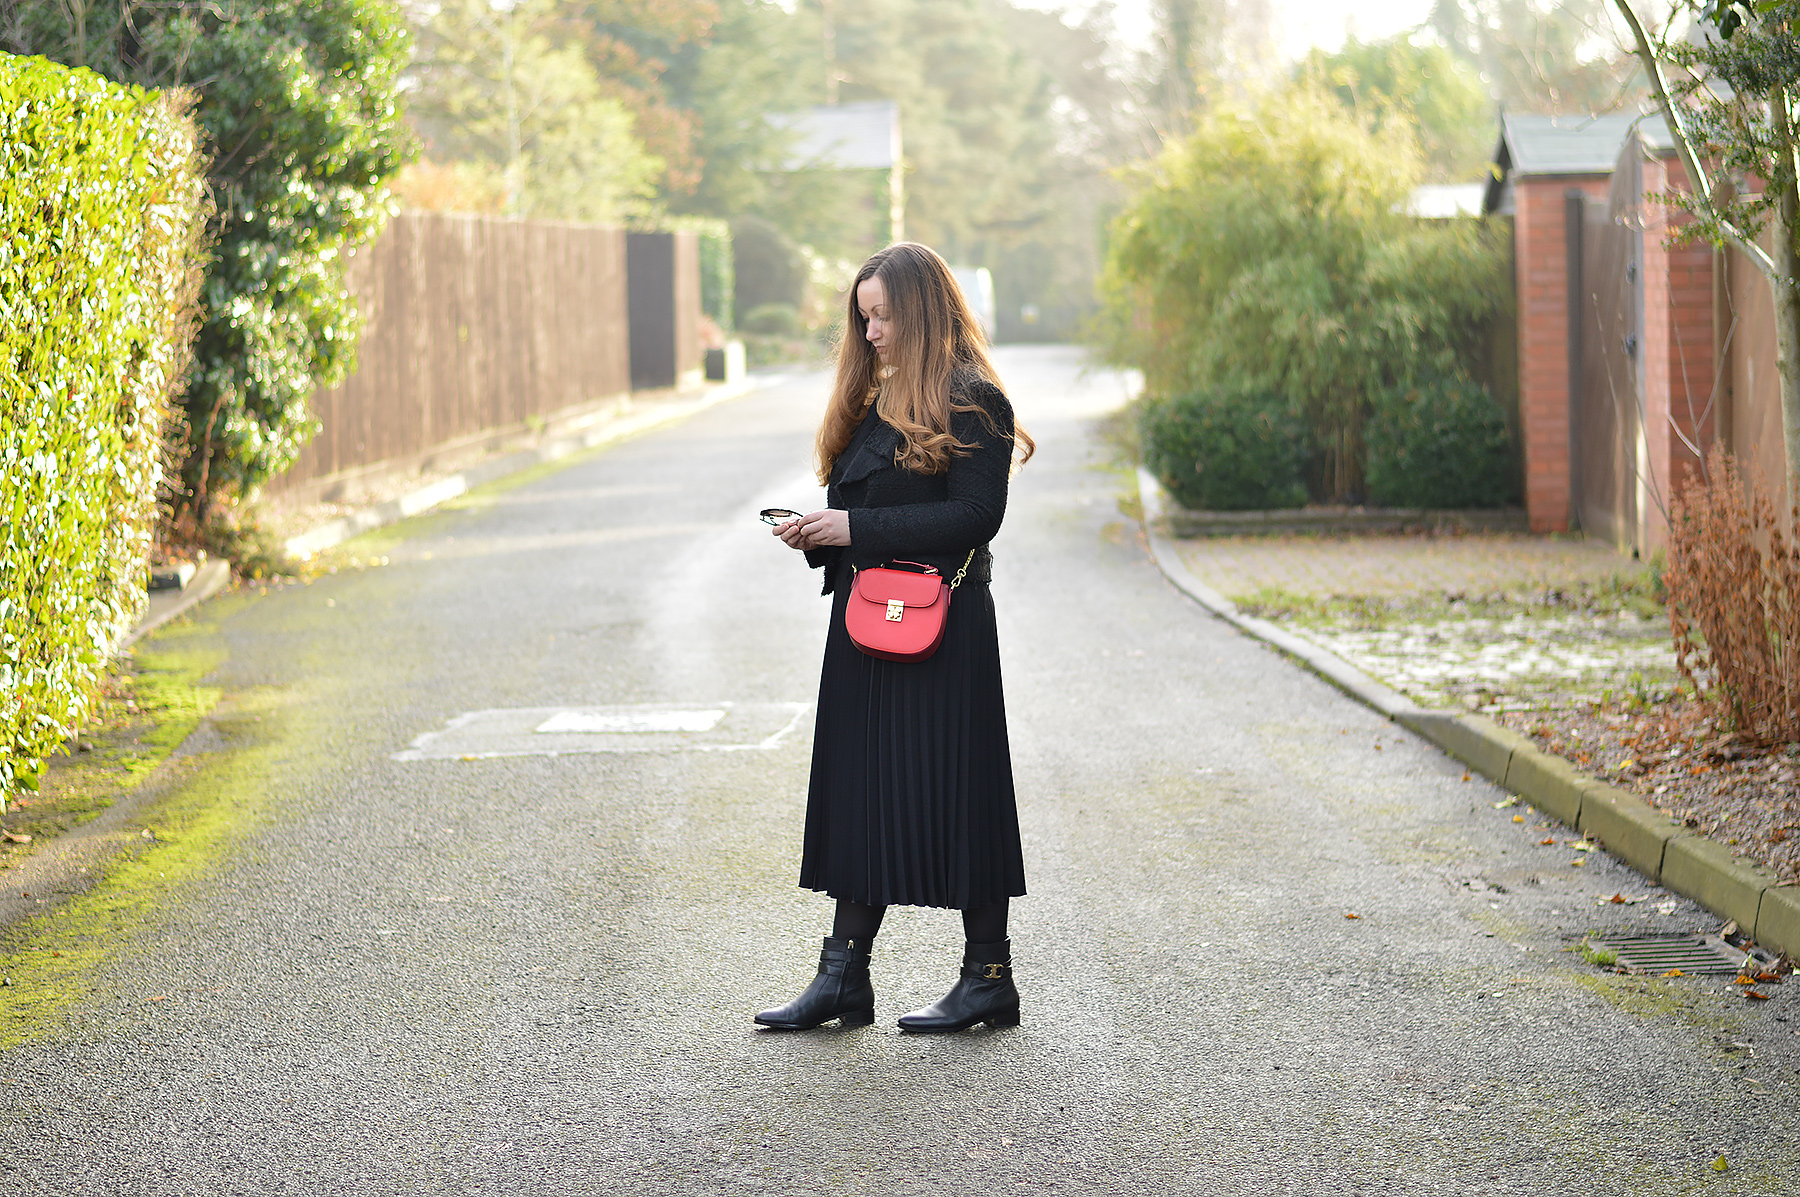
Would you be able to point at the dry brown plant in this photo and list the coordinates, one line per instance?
(1734, 602)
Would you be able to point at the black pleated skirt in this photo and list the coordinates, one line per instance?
(911, 801)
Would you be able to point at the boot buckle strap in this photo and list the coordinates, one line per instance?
(991, 972)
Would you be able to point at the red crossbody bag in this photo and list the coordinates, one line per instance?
(900, 614)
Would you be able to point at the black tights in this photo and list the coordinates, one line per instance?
(984, 924)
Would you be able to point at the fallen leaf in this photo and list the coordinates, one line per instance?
(1547, 843)
(1506, 802)
(1768, 978)
(1577, 863)
(161, 997)
(1584, 845)
(17, 837)
(1666, 907)
(1719, 1165)
(1674, 972)
(1465, 775)
(1617, 899)
(1518, 818)
(1348, 915)
(1742, 979)
(1755, 995)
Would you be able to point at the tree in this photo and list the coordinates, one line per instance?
(504, 92)
(1537, 56)
(1732, 107)
(761, 59)
(1426, 85)
(1265, 254)
(298, 100)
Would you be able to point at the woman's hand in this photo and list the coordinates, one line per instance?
(816, 531)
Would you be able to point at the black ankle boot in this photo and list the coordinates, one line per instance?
(984, 993)
(841, 991)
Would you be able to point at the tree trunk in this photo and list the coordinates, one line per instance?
(1786, 286)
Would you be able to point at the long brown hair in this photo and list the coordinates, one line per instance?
(937, 349)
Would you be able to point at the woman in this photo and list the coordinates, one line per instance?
(911, 800)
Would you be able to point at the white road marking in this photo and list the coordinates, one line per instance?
(631, 721)
(644, 727)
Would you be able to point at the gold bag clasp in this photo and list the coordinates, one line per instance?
(896, 608)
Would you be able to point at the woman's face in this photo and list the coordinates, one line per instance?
(871, 300)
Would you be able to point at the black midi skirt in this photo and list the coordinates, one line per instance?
(911, 801)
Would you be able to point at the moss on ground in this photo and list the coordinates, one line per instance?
(1658, 997)
(54, 960)
(149, 703)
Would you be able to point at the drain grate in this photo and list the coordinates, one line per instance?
(1660, 953)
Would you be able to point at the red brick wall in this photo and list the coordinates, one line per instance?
(1542, 266)
(1677, 354)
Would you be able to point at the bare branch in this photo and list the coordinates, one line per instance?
(1684, 146)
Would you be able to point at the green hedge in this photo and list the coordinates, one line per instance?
(1219, 451)
(101, 208)
(1440, 443)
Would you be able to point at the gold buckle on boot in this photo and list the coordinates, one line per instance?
(993, 972)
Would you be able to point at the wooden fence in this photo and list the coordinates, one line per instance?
(475, 326)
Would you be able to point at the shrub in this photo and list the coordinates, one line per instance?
(767, 267)
(1267, 252)
(300, 100)
(1734, 602)
(773, 320)
(101, 206)
(1216, 451)
(1439, 443)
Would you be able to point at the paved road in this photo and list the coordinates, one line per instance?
(534, 974)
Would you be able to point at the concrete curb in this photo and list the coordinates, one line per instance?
(1629, 828)
(336, 532)
(165, 605)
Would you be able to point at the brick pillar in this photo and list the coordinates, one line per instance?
(1677, 354)
(1541, 263)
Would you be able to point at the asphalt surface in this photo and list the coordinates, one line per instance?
(535, 974)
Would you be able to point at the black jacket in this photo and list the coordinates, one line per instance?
(899, 514)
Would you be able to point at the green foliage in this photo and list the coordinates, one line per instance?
(1756, 54)
(1424, 85)
(768, 267)
(1263, 254)
(1216, 451)
(774, 320)
(718, 274)
(101, 205)
(1441, 443)
(299, 102)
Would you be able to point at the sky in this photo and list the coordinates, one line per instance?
(1300, 25)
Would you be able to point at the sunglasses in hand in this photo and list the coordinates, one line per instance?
(778, 515)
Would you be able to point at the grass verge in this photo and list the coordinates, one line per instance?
(202, 804)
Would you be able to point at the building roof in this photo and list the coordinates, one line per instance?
(1551, 146)
(863, 136)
